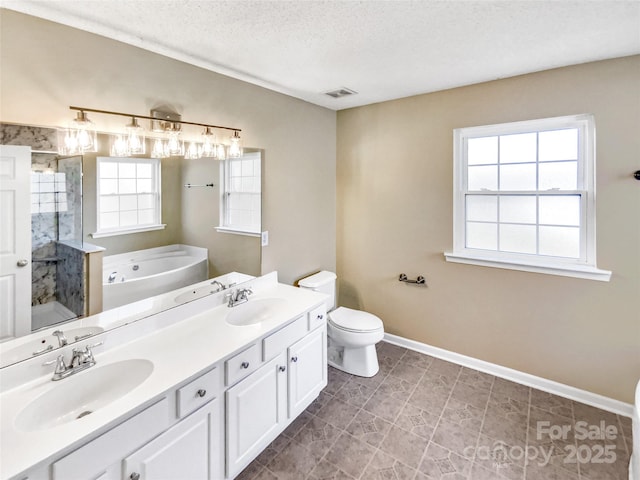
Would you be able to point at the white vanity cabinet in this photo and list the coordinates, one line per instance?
(262, 405)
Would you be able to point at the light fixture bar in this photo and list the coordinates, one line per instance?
(147, 117)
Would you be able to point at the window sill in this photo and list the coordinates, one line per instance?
(148, 228)
(576, 271)
(237, 231)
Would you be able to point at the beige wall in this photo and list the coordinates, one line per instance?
(394, 180)
(46, 67)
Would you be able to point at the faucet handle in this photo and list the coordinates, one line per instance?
(89, 353)
(60, 365)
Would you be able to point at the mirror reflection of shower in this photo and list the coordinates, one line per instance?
(56, 227)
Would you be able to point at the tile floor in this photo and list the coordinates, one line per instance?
(424, 418)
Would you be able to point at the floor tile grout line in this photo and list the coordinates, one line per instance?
(438, 423)
(484, 417)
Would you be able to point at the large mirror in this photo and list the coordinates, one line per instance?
(209, 211)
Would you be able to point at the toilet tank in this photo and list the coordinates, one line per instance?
(323, 282)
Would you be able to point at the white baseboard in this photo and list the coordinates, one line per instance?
(549, 386)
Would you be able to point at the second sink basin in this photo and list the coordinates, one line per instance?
(83, 394)
(253, 311)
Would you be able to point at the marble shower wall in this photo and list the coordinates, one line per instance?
(47, 227)
(71, 274)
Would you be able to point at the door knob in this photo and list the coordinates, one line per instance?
(23, 262)
(134, 476)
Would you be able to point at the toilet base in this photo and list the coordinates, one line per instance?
(361, 361)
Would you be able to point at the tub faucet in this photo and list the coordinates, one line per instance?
(220, 285)
(112, 277)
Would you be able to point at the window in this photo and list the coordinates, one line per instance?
(128, 195)
(240, 206)
(524, 196)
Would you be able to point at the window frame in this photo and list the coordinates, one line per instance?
(156, 180)
(585, 266)
(225, 226)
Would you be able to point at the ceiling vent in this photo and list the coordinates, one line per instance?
(341, 92)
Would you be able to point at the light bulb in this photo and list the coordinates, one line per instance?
(135, 138)
(235, 148)
(119, 147)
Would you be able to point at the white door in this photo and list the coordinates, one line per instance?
(15, 241)
(188, 450)
(307, 370)
(256, 410)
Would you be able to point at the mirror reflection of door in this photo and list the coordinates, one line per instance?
(15, 241)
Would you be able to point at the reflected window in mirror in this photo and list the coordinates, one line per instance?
(240, 206)
(128, 195)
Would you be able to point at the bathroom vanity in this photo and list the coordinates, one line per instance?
(196, 392)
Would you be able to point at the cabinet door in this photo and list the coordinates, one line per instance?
(256, 413)
(307, 370)
(191, 449)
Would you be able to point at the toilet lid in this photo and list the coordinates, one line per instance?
(355, 320)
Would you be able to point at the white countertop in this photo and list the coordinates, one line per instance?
(178, 352)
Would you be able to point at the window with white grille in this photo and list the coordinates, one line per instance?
(524, 196)
(128, 195)
(241, 204)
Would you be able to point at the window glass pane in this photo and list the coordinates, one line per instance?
(518, 148)
(558, 145)
(146, 217)
(128, 202)
(109, 220)
(560, 241)
(518, 177)
(144, 170)
(144, 185)
(126, 186)
(236, 184)
(483, 178)
(128, 219)
(146, 200)
(482, 150)
(236, 168)
(127, 170)
(482, 235)
(518, 238)
(109, 204)
(560, 210)
(561, 175)
(482, 208)
(108, 170)
(518, 209)
(108, 187)
(247, 168)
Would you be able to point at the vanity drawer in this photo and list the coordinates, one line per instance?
(198, 392)
(317, 317)
(275, 343)
(242, 364)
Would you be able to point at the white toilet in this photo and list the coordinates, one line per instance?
(352, 334)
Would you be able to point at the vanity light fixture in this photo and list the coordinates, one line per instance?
(81, 136)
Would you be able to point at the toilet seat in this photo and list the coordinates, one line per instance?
(351, 320)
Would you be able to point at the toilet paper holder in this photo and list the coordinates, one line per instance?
(420, 280)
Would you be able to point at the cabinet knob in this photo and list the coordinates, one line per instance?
(320, 317)
(201, 393)
(244, 364)
(134, 476)
(282, 369)
(294, 359)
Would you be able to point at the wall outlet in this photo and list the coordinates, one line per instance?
(264, 238)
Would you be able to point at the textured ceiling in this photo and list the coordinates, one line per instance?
(381, 49)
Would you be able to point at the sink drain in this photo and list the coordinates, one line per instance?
(84, 414)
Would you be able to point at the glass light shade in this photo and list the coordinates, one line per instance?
(135, 138)
(235, 148)
(175, 145)
(119, 146)
(221, 152)
(83, 134)
(208, 146)
(192, 152)
(159, 149)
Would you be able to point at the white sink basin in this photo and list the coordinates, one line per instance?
(253, 311)
(82, 394)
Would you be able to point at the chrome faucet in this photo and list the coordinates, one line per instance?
(241, 295)
(81, 359)
(112, 277)
(62, 340)
(220, 285)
